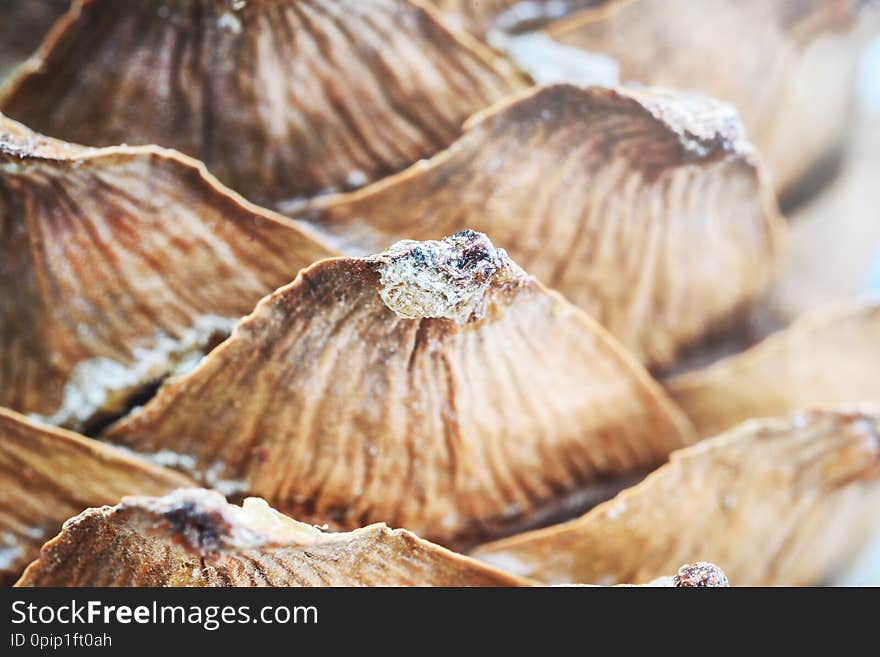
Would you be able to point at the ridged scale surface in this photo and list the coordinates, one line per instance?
(280, 99)
(106, 252)
(48, 475)
(646, 209)
(772, 502)
(336, 410)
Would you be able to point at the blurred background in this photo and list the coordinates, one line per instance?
(856, 195)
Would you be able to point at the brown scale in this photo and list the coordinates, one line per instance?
(784, 501)
(610, 196)
(435, 386)
(279, 98)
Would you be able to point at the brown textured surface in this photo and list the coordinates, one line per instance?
(336, 410)
(106, 253)
(771, 502)
(791, 80)
(194, 538)
(829, 357)
(23, 24)
(280, 99)
(483, 15)
(48, 475)
(647, 209)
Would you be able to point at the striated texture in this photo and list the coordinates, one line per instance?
(510, 15)
(781, 501)
(280, 99)
(23, 24)
(194, 538)
(334, 408)
(791, 80)
(48, 475)
(829, 357)
(646, 209)
(118, 264)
